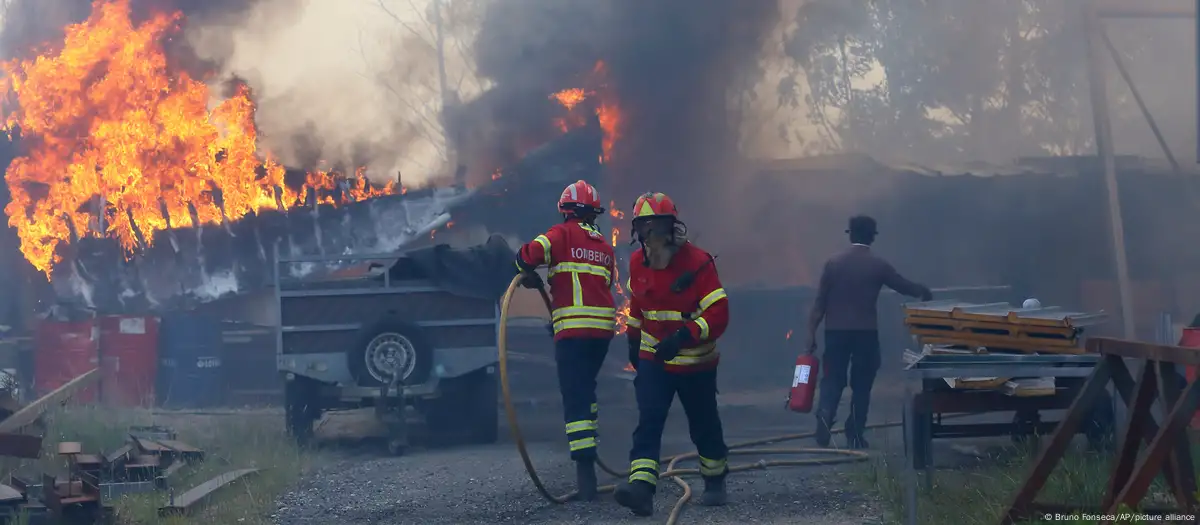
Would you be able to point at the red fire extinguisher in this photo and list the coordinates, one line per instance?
(804, 384)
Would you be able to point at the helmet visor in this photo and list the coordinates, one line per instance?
(654, 226)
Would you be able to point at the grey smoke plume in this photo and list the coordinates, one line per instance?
(672, 65)
(335, 87)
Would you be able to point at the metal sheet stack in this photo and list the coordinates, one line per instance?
(954, 327)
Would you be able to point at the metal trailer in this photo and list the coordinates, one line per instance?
(374, 340)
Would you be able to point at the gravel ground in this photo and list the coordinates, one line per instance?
(489, 484)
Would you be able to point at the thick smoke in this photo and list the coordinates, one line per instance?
(336, 88)
(672, 66)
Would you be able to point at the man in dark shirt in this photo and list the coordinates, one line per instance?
(846, 301)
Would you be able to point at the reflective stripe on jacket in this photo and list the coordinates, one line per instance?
(656, 312)
(580, 261)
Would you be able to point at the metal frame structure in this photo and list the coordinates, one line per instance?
(1098, 42)
(1168, 450)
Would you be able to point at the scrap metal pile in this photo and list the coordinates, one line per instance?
(148, 461)
(957, 328)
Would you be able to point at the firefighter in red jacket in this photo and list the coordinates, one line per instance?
(584, 319)
(677, 311)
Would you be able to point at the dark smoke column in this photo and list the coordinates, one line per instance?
(673, 65)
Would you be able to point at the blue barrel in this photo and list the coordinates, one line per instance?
(189, 367)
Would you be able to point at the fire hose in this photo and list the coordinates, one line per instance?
(673, 472)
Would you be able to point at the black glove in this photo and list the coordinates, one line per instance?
(668, 348)
(635, 346)
(532, 280)
(926, 294)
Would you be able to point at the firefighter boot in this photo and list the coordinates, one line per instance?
(585, 480)
(637, 496)
(714, 492)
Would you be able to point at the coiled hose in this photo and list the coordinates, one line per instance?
(673, 472)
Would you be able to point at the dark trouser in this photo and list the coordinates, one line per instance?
(656, 390)
(854, 353)
(579, 361)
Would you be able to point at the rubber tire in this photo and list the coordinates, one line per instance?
(396, 448)
(355, 355)
(468, 410)
(301, 408)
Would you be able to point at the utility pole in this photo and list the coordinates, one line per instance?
(1104, 149)
(449, 118)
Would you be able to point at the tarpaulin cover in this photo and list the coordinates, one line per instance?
(483, 271)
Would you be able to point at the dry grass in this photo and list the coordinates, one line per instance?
(231, 441)
(979, 490)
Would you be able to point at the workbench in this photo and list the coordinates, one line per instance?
(924, 409)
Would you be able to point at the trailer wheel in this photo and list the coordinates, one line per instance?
(302, 397)
(468, 411)
(396, 447)
(387, 347)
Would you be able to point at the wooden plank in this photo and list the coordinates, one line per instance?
(1050, 456)
(933, 308)
(183, 450)
(1074, 320)
(31, 412)
(184, 502)
(981, 309)
(1181, 480)
(179, 446)
(149, 446)
(119, 455)
(20, 446)
(89, 460)
(1136, 350)
(994, 328)
(1050, 317)
(995, 343)
(1151, 464)
(1136, 427)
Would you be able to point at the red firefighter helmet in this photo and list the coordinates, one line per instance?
(652, 204)
(580, 197)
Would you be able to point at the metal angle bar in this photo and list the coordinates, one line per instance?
(1002, 371)
(353, 257)
(1137, 97)
(349, 327)
(381, 290)
(997, 358)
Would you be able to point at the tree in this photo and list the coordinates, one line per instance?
(411, 71)
(942, 79)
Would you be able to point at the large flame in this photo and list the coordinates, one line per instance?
(605, 107)
(608, 112)
(107, 125)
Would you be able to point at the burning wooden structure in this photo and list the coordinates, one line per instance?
(185, 266)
